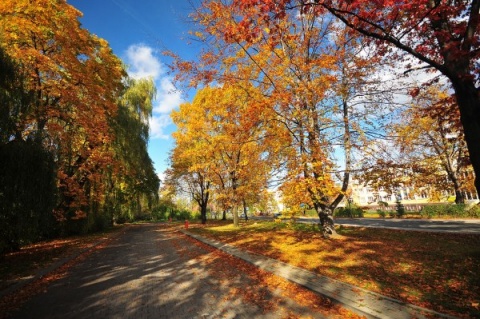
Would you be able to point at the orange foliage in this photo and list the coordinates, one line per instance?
(75, 79)
(222, 136)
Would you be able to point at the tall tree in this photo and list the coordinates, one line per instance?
(133, 179)
(441, 35)
(432, 136)
(222, 141)
(27, 170)
(312, 75)
(74, 80)
(190, 165)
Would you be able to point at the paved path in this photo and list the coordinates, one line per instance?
(153, 272)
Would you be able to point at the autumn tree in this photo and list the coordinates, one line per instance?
(316, 80)
(387, 168)
(187, 173)
(440, 35)
(432, 136)
(221, 134)
(72, 81)
(423, 152)
(27, 174)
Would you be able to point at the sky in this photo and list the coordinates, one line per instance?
(138, 31)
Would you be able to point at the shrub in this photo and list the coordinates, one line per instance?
(351, 212)
(474, 211)
(160, 213)
(381, 213)
(450, 210)
(183, 215)
(400, 209)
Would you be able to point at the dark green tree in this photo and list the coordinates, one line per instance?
(27, 170)
(134, 183)
(27, 194)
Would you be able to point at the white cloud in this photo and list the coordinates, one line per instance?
(143, 62)
(158, 123)
(168, 98)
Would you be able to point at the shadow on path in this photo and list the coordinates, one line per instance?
(152, 271)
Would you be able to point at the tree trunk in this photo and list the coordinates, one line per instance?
(245, 209)
(203, 213)
(347, 144)
(235, 217)
(468, 101)
(327, 224)
(459, 196)
(224, 215)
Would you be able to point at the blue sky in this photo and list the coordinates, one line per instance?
(138, 31)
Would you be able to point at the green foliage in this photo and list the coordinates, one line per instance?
(161, 212)
(381, 213)
(13, 98)
(183, 215)
(135, 185)
(27, 194)
(167, 211)
(350, 212)
(400, 209)
(382, 204)
(450, 210)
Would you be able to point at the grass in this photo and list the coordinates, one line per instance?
(435, 271)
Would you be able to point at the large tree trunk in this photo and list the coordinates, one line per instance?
(235, 216)
(459, 196)
(468, 101)
(327, 224)
(203, 213)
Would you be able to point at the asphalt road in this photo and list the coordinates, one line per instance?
(430, 225)
(467, 226)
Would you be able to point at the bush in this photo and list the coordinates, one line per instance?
(381, 213)
(351, 212)
(400, 209)
(183, 215)
(450, 210)
(474, 211)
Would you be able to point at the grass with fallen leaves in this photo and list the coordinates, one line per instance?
(431, 270)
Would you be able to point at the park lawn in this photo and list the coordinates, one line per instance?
(435, 271)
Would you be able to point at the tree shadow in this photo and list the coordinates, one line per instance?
(153, 272)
